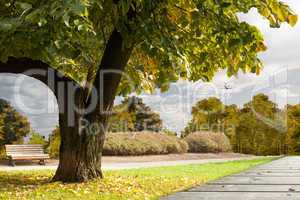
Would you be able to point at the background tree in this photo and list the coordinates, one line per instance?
(169, 132)
(258, 131)
(293, 134)
(209, 111)
(2, 133)
(54, 143)
(257, 128)
(231, 121)
(121, 120)
(212, 115)
(133, 115)
(36, 138)
(14, 126)
(154, 42)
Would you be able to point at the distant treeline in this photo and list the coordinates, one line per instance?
(259, 127)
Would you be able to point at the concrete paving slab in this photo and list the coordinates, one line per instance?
(247, 188)
(267, 174)
(233, 196)
(278, 180)
(259, 180)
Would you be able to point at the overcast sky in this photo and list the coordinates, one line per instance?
(279, 79)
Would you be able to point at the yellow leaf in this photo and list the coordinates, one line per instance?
(292, 19)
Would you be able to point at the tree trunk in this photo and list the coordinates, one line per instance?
(82, 145)
(80, 153)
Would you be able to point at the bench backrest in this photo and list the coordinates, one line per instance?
(24, 149)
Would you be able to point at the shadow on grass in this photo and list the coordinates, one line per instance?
(15, 181)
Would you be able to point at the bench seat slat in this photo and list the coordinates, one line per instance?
(20, 149)
(27, 155)
(24, 151)
(30, 158)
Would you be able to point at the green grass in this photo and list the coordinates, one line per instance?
(150, 183)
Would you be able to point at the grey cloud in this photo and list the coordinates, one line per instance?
(33, 94)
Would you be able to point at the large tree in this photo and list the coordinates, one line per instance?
(86, 42)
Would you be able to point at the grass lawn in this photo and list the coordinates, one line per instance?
(140, 184)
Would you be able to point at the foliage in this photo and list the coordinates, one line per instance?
(169, 132)
(13, 126)
(36, 138)
(257, 128)
(293, 132)
(188, 39)
(208, 142)
(142, 143)
(207, 116)
(231, 121)
(257, 133)
(133, 115)
(211, 115)
(134, 184)
(54, 143)
(2, 133)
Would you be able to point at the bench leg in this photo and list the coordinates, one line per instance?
(12, 162)
(42, 162)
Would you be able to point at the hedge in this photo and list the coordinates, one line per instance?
(142, 143)
(208, 142)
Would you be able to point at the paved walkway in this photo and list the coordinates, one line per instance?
(129, 165)
(278, 180)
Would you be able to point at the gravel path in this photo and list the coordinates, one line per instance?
(129, 165)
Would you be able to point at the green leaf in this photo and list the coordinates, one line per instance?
(23, 5)
(5, 26)
(66, 19)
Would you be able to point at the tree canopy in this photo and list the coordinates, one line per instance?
(189, 39)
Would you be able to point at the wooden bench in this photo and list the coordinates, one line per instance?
(25, 153)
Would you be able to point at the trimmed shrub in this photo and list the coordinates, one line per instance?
(208, 142)
(142, 143)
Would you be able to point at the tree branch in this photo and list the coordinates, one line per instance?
(35, 69)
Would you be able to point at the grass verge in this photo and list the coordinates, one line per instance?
(147, 184)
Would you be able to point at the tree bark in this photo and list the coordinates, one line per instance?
(82, 145)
